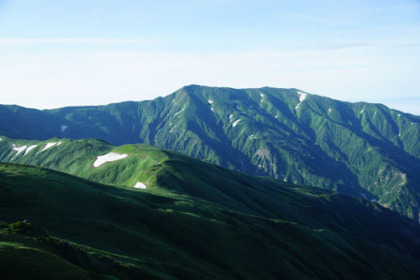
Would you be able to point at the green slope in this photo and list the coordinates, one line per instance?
(78, 157)
(199, 222)
(359, 149)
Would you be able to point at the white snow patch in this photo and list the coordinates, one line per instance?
(30, 148)
(140, 185)
(1, 139)
(63, 127)
(230, 117)
(212, 109)
(49, 145)
(59, 143)
(329, 110)
(107, 158)
(302, 97)
(277, 117)
(262, 95)
(210, 101)
(399, 115)
(236, 122)
(18, 149)
(179, 112)
(251, 136)
(361, 112)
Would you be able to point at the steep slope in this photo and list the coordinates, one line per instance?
(359, 149)
(199, 221)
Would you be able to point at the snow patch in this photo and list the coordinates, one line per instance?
(230, 117)
(179, 112)
(140, 185)
(59, 143)
(49, 145)
(107, 158)
(399, 115)
(361, 112)
(236, 122)
(30, 148)
(212, 109)
(329, 110)
(1, 139)
(302, 96)
(18, 150)
(210, 101)
(63, 127)
(262, 95)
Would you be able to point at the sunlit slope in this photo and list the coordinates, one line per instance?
(359, 149)
(90, 159)
(201, 225)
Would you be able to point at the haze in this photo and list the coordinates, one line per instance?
(84, 52)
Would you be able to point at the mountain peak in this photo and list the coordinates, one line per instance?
(359, 149)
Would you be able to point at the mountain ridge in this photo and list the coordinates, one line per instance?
(359, 149)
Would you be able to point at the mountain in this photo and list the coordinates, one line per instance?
(358, 149)
(185, 219)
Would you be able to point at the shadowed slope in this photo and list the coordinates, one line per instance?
(197, 220)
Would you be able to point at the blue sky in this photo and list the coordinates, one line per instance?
(82, 52)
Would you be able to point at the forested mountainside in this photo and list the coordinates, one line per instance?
(359, 149)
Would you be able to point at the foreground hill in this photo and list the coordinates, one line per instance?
(194, 220)
(359, 149)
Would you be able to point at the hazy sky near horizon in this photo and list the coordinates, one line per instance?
(56, 53)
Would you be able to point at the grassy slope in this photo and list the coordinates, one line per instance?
(359, 149)
(78, 156)
(202, 221)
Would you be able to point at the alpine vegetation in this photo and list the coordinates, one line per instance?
(359, 149)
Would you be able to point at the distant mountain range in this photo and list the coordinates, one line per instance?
(162, 215)
(358, 149)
